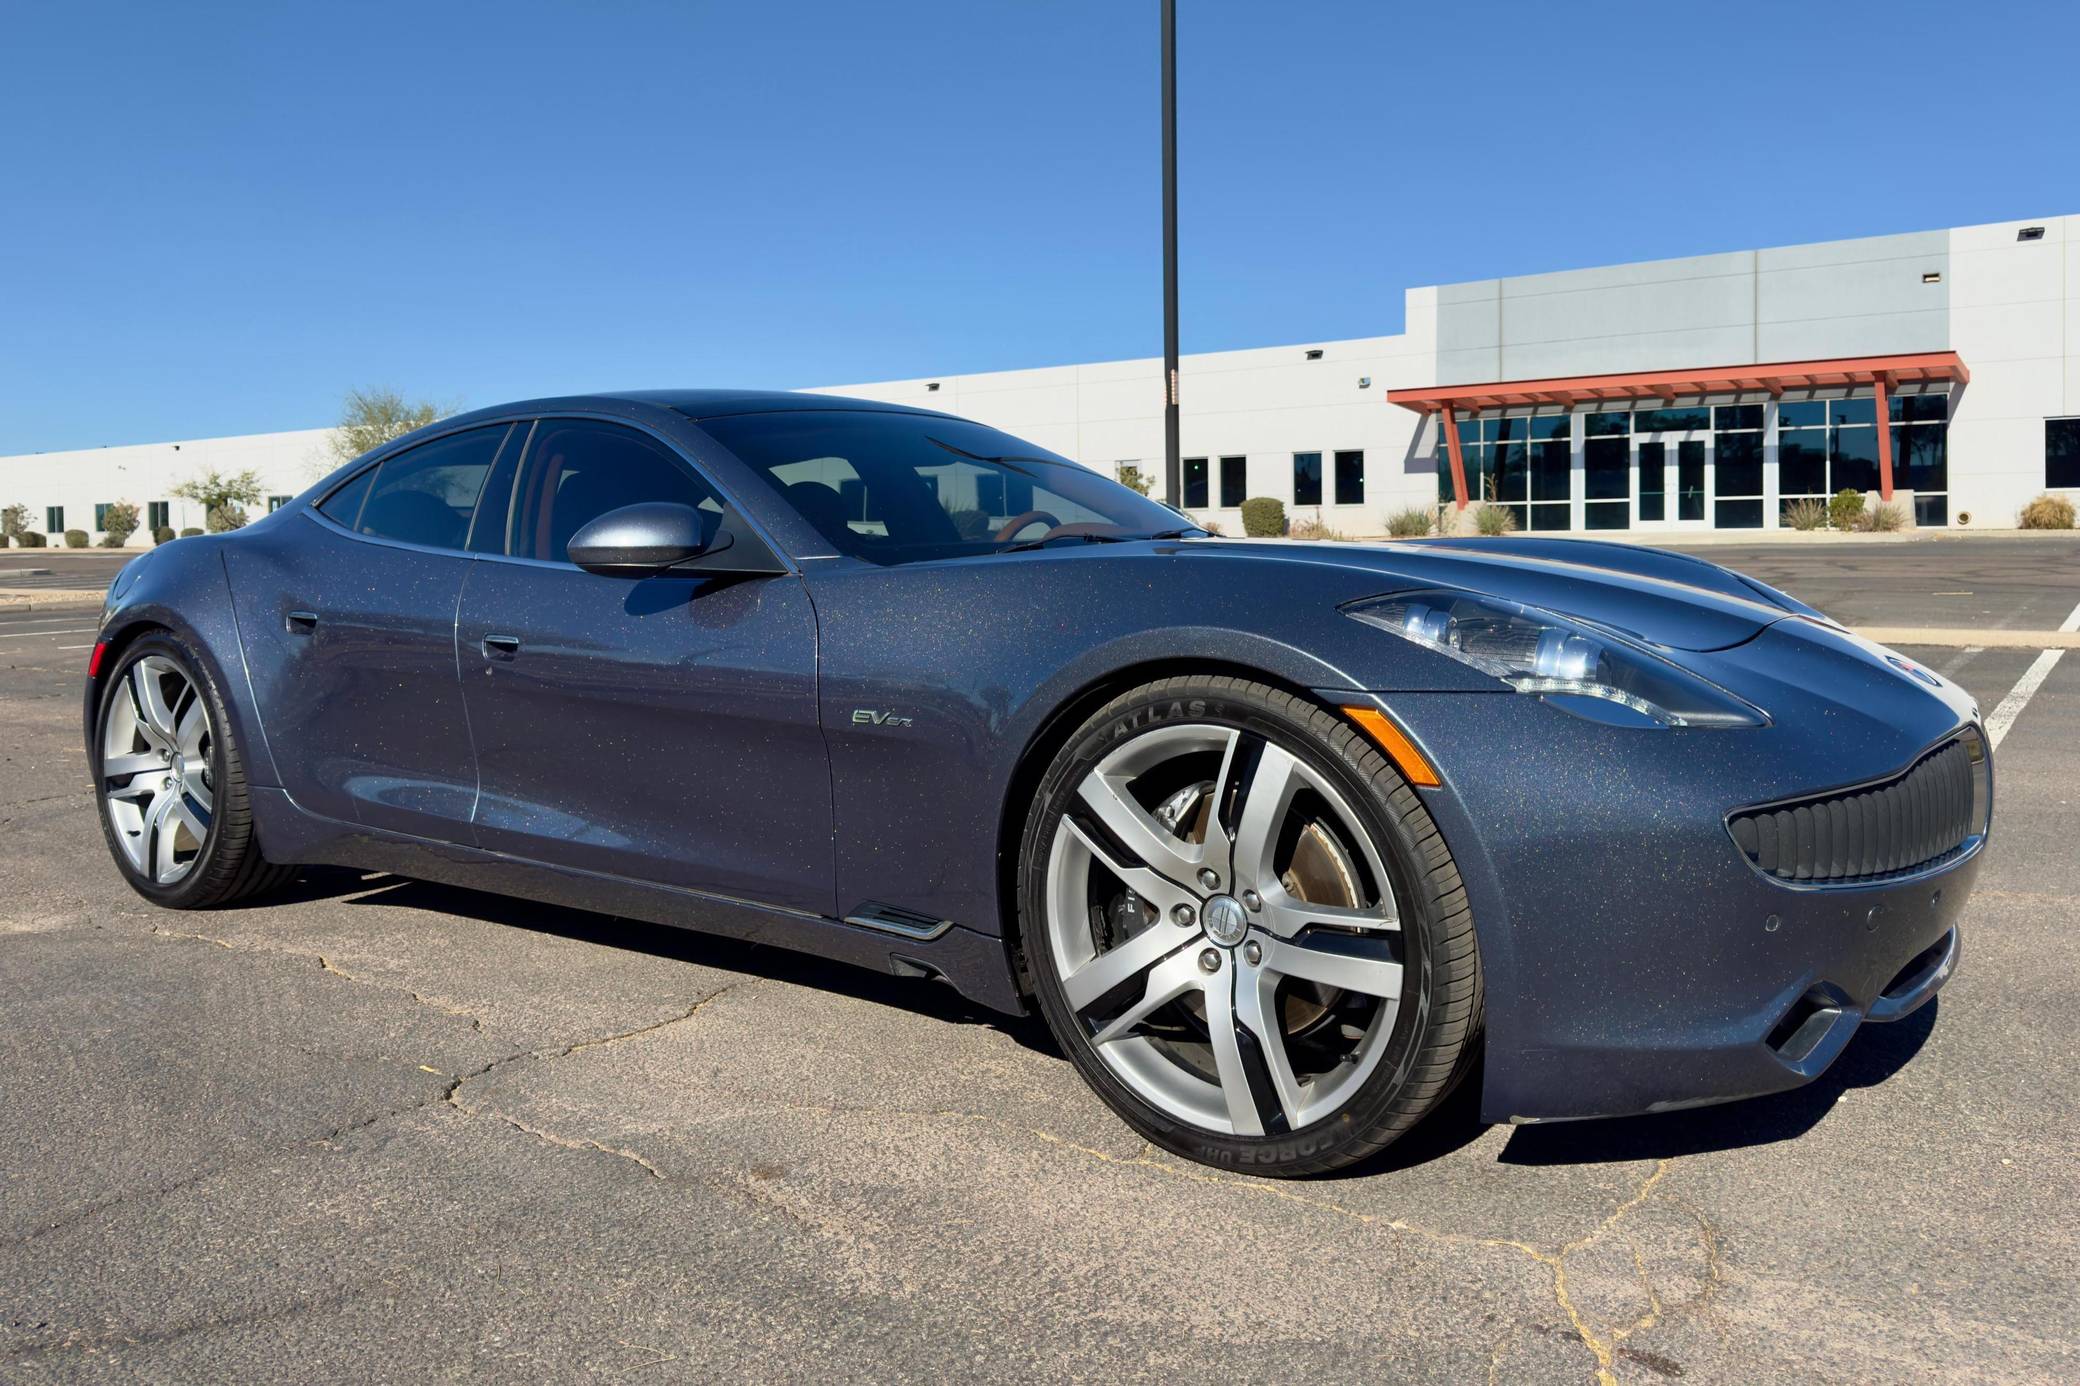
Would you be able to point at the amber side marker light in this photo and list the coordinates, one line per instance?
(94, 659)
(1399, 748)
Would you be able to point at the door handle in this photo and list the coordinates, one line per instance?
(302, 622)
(495, 645)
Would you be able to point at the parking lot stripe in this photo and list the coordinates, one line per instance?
(2018, 697)
(25, 634)
(2026, 687)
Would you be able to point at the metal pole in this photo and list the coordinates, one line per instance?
(1173, 480)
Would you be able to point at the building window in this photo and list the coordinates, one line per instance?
(1234, 481)
(1350, 478)
(1552, 439)
(54, 519)
(159, 516)
(100, 516)
(1737, 466)
(2062, 452)
(1607, 471)
(1921, 453)
(1307, 478)
(275, 503)
(1195, 483)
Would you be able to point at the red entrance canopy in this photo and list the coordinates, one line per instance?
(1881, 373)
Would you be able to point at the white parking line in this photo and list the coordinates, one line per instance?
(2026, 687)
(75, 647)
(25, 634)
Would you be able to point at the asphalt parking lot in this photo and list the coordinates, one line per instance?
(379, 1130)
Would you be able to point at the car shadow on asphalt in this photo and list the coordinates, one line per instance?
(1873, 1055)
(936, 1000)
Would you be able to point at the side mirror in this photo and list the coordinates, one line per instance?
(639, 540)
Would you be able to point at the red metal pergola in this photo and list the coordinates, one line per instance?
(1881, 373)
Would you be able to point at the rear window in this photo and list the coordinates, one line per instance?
(426, 495)
(900, 488)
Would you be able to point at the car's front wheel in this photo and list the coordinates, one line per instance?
(1244, 928)
(172, 781)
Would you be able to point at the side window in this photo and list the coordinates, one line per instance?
(343, 506)
(427, 494)
(577, 470)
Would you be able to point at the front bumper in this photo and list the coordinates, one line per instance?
(1635, 960)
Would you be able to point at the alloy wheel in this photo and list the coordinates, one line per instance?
(1224, 930)
(156, 777)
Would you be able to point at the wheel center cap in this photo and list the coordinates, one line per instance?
(1225, 920)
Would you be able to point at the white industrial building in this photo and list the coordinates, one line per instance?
(1671, 395)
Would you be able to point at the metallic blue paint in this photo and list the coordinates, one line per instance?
(685, 751)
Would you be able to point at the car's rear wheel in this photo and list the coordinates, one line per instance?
(172, 783)
(1244, 928)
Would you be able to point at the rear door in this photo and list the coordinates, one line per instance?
(349, 625)
(662, 729)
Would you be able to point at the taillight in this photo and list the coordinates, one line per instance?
(94, 659)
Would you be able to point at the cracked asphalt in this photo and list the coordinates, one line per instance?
(385, 1131)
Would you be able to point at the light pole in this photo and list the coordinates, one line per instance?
(1173, 481)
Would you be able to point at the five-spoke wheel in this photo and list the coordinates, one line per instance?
(1222, 923)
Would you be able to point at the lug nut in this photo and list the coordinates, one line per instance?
(1210, 960)
(1210, 878)
(1182, 914)
(1252, 952)
(1250, 901)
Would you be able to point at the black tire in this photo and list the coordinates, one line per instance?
(1436, 1033)
(229, 866)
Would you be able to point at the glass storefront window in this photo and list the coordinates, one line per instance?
(2061, 453)
(1852, 411)
(1801, 462)
(1852, 458)
(1195, 483)
(1600, 425)
(1737, 416)
(1653, 494)
(1234, 481)
(1672, 420)
(1802, 413)
(1350, 478)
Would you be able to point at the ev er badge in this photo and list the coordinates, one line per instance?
(1225, 920)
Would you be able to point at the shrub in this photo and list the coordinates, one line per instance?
(14, 522)
(1263, 517)
(1807, 514)
(1883, 518)
(2047, 512)
(119, 521)
(1494, 519)
(1210, 526)
(1314, 529)
(30, 539)
(190, 532)
(970, 524)
(1845, 509)
(225, 517)
(163, 534)
(75, 538)
(1407, 524)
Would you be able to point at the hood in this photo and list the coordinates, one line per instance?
(1663, 598)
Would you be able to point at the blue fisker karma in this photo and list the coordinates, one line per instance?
(1279, 838)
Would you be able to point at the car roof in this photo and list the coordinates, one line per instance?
(709, 404)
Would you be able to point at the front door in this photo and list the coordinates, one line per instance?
(663, 729)
(1674, 485)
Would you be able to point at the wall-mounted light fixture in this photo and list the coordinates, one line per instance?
(931, 387)
(1314, 353)
(2030, 233)
(1364, 382)
(1932, 276)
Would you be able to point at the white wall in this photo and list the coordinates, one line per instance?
(2015, 319)
(1264, 404)
(146, 472)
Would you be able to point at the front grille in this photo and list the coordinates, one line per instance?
(1911, 821)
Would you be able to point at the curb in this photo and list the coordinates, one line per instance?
(59, 600)
(1968, 637)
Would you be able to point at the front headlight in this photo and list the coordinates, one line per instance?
(1561, 660)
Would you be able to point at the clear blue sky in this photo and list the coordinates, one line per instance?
(218, 218)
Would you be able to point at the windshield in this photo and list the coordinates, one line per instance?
(902, 488)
